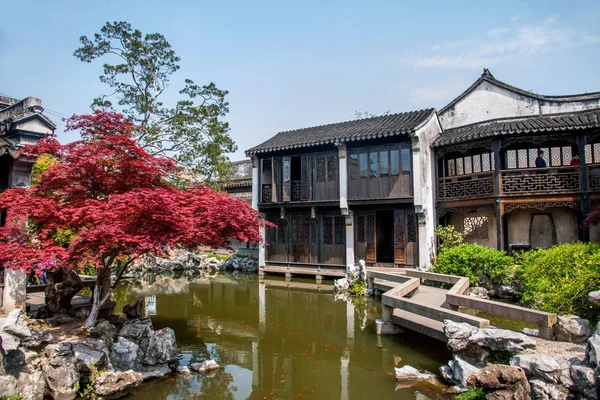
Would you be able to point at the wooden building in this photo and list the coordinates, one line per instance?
(347, 191)
(491, 183)
(376, 188)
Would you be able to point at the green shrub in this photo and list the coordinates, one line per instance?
(558, 279)
(472, 394)
(358, 289)
(482, 265)
(449, 237)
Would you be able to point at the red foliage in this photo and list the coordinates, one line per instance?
(593, 218)
(112, 195)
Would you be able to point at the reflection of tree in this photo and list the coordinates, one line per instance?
(217, 387)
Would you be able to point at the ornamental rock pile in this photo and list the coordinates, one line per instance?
(548, 376)
(112, 361)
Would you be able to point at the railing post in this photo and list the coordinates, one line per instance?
(497, 194)
(585, 206)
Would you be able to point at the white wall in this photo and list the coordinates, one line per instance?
(424, 188)
(489, 101)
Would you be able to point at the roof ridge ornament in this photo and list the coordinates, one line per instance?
(487, 73)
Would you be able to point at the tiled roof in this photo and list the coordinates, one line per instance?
(521, 125)
(488, 77)
(369, 128)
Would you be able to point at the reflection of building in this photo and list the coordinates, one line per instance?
(21, 122)
(375, 189)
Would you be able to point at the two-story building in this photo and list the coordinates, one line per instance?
(376, 188)
(348, 191)
(21, 122)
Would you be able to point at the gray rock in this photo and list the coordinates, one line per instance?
(87, 357)
(209, 365)
(341, 285)
(31, 386)
(531, 332)
(584, 381)
(15, 323)
(461, 370)
(114, 384)
(571, 328)
(538, 366)
(458, 335)
(480, 292)
(137, 330)
(159, 348)
(592, 350)
(182, 369)
(36, 340)
(594, 297)
(502, 340)
(62, 374)
(409, 376)
(8, 385)
(541, 390)
(105, 331)
(124, 354)
(9, 341)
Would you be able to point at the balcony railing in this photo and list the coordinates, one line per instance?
(594, 178)
(296, 190)
(466, 186)
(518, 182)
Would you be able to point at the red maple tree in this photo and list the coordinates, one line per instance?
(109, 198)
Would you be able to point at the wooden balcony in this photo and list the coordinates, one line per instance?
(541, 181)
(594, 178)
(518, 182)
(466, 186)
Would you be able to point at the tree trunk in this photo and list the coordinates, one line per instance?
(102, 292)
(63, 285)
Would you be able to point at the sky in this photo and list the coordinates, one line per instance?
(294, 64)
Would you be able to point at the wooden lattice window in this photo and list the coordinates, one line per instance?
(339, 230)
(475, 228)
(557, 156)
(471, 164)
(321, 169)
(592, 153)
(411, 228)
(332, 168)
(360, 227)
(327, 230)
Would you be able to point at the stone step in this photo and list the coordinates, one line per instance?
(383, 285)
(420, 324)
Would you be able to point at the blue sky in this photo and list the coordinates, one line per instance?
(289, 65)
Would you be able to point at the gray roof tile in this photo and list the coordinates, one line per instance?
(521, 125)
(369, 128)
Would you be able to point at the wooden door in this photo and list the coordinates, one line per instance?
(304, 178)
(412, 247)
(303, 239)
(276, 179)
(399, 237)
(371, 250)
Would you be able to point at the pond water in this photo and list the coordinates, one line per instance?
(276, 341)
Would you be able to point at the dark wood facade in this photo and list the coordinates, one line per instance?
(300, 193)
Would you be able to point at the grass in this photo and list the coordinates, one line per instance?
(471, 394)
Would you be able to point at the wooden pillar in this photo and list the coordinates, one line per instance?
(585, 202)
(498, 207)
(349, 239)
(261, 247)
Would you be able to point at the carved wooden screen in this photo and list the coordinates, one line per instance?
(371, 252)
(287, 179)
(305, 178)
(304, 243)
(276, 179)
(412, 249)
(399, 237)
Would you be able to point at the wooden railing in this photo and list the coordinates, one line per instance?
(296, 190)
(518, 182)
(594, 178)
(466, 186)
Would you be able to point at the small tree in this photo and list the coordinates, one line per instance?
(105, 203)
(449, 237)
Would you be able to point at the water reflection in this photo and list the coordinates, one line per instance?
(278, 340)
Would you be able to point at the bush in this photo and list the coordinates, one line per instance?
(558, 279)
(472, 394)
(449, 237)
(482, 265)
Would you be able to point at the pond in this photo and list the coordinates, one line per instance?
(278, 340)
